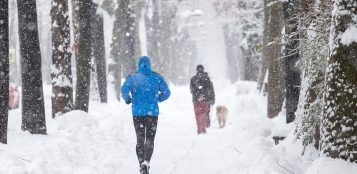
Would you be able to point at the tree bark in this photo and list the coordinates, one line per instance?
(293, 80)
(62, 90)
(75, 26)
(4, 69)
(84, 55)
(99, 53)
(265, 62)
(276, 77)
(33, 111)
(339, 128)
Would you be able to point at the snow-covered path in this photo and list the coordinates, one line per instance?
(103, 141)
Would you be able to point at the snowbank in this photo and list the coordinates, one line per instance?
(324, 165)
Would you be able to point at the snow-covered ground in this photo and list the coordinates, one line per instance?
(103, 141)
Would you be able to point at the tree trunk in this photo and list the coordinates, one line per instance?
(118, 45)
(130, 37)
(167, 15)
(33, 111)
(99, 53)
(231, 56)
(4, 69)
(275, 67)
(75, 25)
(152, 21)
(138, 7)
(292, 80)
(62, 90)
(313, 57)
(84, 55)
(339, 128)
(265, 62)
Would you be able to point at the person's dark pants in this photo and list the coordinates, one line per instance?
(201, 112)
(145, 128)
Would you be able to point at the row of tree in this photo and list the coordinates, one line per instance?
(89, 34)
(298, 42)
(166, 39)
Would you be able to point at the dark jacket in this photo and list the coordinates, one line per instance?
(202, 87)
(145, 89)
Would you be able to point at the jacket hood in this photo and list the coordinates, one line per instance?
(144, 65)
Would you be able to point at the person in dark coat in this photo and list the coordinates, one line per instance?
(202, 96)
(144, 89)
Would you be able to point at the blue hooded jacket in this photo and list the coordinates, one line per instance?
(145, 89)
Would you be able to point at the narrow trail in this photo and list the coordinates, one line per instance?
(178, 148)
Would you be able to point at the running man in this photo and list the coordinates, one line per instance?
(144, 89)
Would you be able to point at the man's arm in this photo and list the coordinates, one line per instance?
(164, 90)
(193, 86)
(213, 96)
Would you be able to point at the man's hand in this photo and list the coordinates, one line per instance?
(201, 98)
(128, 102)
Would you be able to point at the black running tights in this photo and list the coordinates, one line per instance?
(145, 128)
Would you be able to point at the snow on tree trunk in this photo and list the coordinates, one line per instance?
(99, 52)
(62, 90)
(314, 52)
(276, 83)
(83, 55)
(339, 123)
(33, 111)
(4, 69)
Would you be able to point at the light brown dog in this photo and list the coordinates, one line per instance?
(221, 112)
